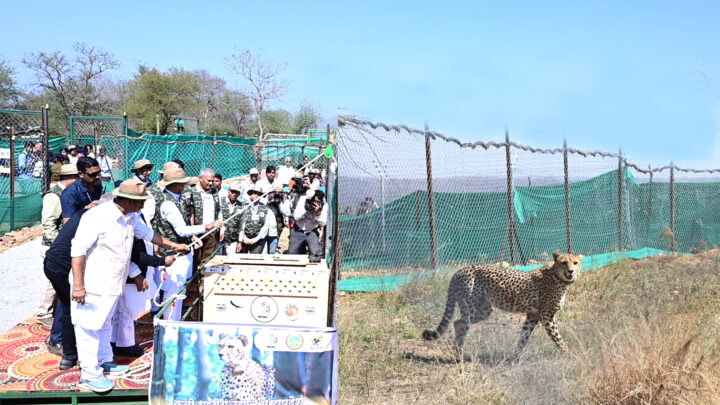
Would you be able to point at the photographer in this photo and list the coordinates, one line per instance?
(310, 215)
(278, 211)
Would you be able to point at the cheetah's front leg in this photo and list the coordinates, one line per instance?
(552, 331)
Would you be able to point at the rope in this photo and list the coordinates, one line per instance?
(344, 120)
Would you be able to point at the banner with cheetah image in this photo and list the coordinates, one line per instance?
(220, 364)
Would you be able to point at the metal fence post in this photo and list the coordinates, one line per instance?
(510, 232)
(46, 141)
(12, 177)
(96, 134)
(431, 202)
(567, 197)
(620, 201)
(672, 200)
(650, 187)
(212, 156)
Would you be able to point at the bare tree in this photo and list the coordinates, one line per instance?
(72, 81)
(262, 81)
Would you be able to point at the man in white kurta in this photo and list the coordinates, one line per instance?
(100, 260)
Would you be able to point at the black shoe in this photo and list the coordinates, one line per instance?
(68, 362)
(56, 349)
(130, 351)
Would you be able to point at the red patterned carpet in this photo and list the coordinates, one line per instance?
(26, 365)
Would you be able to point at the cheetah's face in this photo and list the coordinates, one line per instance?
(231, 350)
(567, 266)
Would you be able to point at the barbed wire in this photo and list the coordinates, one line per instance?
(362, 124)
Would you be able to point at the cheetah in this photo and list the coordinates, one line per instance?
(243, 377)
(539, 293)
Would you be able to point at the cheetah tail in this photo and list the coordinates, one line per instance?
(444, 323)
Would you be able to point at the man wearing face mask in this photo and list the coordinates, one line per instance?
(143, 169)
(100, 262)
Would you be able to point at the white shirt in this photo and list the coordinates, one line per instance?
(285, 174)
(272, 224)
(73, 159)
(247, 185)
(308, 220)
(170, 213)
(266, 186)
(105, 166)
(208, 204)
(105, 237)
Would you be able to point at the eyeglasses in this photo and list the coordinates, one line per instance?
(92, 174)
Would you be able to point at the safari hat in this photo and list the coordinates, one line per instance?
(131, 188)
(71, 147)
(237, 186)
(140, 164)
(68, 170)
(174, 175)
(255, 190)
(278, 189)
(254, 171)
(314, 171)
(167, 165)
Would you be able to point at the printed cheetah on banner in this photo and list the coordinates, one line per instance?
(539, 293)
(243, 377)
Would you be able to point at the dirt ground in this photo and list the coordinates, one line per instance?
(17, 238)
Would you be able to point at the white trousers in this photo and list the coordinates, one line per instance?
(123, 324)
(94, 343)
(177, 276)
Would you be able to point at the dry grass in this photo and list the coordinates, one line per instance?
(639, 332)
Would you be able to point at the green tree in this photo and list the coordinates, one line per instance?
(163, 96)
(72, 81)
(306, 118)
(10, 94)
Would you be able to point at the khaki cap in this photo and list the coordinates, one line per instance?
(256, 190)
(131, 188)
(174, 175)
(168, 165)
(142, 163)
(237, 186)
(68, 170)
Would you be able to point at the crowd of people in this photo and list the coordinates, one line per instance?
(108, 257)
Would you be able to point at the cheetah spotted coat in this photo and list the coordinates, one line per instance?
(539, 293)
(243, 377)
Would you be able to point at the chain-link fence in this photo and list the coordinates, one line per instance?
(413, 198)
(24, 167)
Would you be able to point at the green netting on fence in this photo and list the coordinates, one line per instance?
(391, 283)
(472, 227)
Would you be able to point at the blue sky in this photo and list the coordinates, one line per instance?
(641, 76)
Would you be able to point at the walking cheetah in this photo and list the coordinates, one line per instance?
(539, 293)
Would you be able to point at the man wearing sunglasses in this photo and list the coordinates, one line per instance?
(85, 192)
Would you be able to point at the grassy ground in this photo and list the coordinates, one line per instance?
(638, 331)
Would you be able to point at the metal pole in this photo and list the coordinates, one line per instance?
(511, 207)
(382, 204)
(672, 199)
(12, 177)
(96, 134)
(649, 216)
(212, 157)
(46, 141)
(125, 123)
(431, 202)
(567, 198)
(620, 201)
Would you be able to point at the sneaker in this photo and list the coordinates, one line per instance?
(113, 370)
(54, 348)
(99, 387)
(130, 351)
(68, 362)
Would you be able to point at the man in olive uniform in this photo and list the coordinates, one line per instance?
(206, 210)
(51, 223)
(174, 224)
(255, 224)
(231, 205)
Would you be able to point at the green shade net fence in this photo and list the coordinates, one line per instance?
(230, 156)
(386, 167)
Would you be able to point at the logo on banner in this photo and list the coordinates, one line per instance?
(317, 343)
(294, 342)
(264, 309)
(292, 311)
